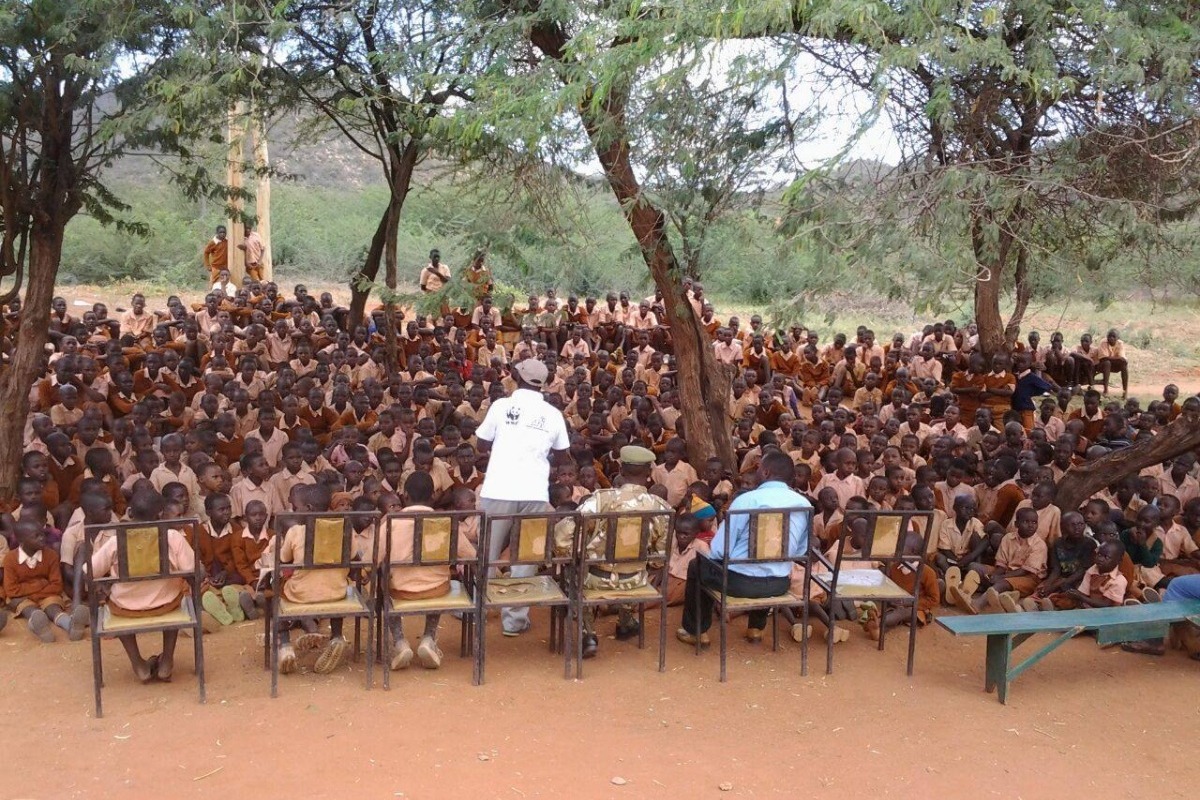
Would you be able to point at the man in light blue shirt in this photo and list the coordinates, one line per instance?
(747, 580)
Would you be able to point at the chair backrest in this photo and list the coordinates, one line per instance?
(143, 550)
(329, 539)
(530, 538)
(435, 537)
(628, 536)
(883, 533)
(768, 534)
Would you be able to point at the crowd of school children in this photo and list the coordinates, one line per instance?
(253, 404)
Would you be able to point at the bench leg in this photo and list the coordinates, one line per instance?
(999, 650)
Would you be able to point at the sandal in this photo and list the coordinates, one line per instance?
(1144, 648)
(151, 670)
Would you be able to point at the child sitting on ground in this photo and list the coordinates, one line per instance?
(1102, 584)
(33, 586)
(1070, 556)
(1020, 566)
(905, 576)
(961, 543)
(225, 596)
(252, 553)
(843, 609)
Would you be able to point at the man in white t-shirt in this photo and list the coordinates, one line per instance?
(522, 432)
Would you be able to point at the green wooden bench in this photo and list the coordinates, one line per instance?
(1006, 632)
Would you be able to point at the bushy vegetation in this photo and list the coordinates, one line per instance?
(573, 238)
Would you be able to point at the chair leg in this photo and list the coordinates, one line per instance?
(662, 634)
(358, 638)
(724, 639)
(370, 649)
(572, 650)
(882, 627)
(383, 637)
(774, 618)
(199, 656)
(97, 673)
(268, 643)
(480, 647)
(804, 640)
(641, 626)
(829, 638)
(579, 644)
(273, 644)
(912, 639)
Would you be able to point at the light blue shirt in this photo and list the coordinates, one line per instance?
(771, 494)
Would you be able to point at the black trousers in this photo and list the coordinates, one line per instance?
(698, 606)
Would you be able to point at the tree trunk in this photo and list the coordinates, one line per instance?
(404, 164)
(27, 357)
(988, 287)
(389, 306)
(1082, 482)
(702, 384)
(1023, 291)
(359, 294)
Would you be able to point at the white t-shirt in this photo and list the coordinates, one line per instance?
(523, 429)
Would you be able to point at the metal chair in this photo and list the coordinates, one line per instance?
(767, 542)
(434, 543)
(530, 543)
(627, 542)
(328, 541)
(882, 534)
(142, 554)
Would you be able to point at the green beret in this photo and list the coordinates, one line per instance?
(632, 454)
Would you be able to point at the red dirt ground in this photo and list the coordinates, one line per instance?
(1077, 725)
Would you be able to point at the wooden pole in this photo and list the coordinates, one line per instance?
(262, 197)
(234, 182)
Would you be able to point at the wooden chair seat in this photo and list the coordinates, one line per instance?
(886, 590)
(353, 604)
(457, 598)
(111, 624)
(749, 603)
(646, 592)
(528, 591)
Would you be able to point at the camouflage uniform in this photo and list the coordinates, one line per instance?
(626, 575)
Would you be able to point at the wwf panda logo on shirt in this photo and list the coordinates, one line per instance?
(513, 415)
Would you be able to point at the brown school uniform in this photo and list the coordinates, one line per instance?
(216, 548)
(64, 475)
(1027, 554)
(247, 550)
(998, 504)
(928, 598)
(111, 484)
(968, 404)
(1049, 519)
(32, 584)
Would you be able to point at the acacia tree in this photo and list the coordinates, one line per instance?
(80, 85)
(614, 68)
(712, 144)
(1018, 120)
(379, 72)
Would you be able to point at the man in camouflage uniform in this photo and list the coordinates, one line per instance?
(631, 495)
